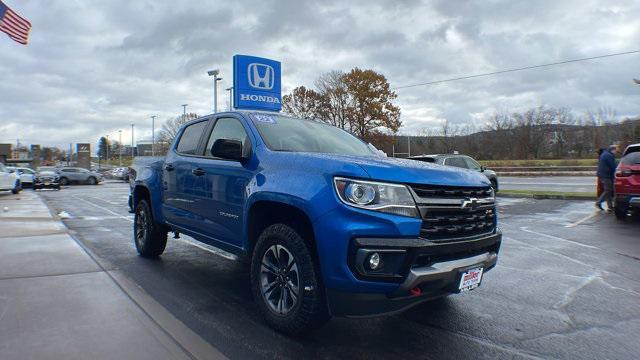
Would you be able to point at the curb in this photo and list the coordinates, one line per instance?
(548, 196)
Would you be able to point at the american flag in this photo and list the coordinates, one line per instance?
(14, 25)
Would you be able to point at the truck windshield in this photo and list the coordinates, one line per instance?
(283, 133)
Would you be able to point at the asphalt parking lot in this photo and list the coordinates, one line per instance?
(566, 286)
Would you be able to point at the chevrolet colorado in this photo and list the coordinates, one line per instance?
(328, 226)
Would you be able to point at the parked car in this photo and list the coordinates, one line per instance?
(75, 175)
(46, 179)
(328, 226)
(627, 182)
(26, 175)
(9, 180)
(121, 173)
(460, 161)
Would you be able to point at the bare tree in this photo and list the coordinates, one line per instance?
(171, 127)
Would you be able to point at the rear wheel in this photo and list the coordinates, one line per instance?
(286, 282)
(620, 210)
(150, 237)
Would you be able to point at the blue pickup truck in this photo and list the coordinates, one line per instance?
(328, 226)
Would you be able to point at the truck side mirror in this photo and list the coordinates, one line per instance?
(227, 149)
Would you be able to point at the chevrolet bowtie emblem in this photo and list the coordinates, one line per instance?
(469, 203)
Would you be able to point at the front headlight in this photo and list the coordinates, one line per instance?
(384, 197)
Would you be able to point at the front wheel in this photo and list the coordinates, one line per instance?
(286, 282)
(150, 237)
(92, 181)
(64, 181)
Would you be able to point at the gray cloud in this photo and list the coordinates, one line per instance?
(94, 67)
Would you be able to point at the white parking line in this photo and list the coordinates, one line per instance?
(103, 208)
(588, 217)
(525, 229)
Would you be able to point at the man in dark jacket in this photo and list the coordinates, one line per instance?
(606, 175)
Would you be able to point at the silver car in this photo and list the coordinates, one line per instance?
(75, 175)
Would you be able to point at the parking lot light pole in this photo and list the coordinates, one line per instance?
(132, 126)
(120, 147)
(184, 111)
(153, 135)
(215, 73)
(230, 90)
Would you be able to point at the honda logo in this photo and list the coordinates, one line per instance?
(261, 76)
(469, 203)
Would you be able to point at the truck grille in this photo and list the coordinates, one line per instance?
(455, 213)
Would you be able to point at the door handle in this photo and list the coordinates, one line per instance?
(169, 167)
(197, 172)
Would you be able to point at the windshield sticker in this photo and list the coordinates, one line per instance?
(270, 119)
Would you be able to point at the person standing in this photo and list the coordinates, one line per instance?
(606, 175)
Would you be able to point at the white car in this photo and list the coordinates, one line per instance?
(26, 175)
(9, 180)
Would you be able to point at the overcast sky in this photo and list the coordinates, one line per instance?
(93, 67)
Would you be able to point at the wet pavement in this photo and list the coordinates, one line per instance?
(566, 286)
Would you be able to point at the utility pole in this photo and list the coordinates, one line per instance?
(215, 73)
(70, 154)
(153, 135)
(132, 126)
(120, 147)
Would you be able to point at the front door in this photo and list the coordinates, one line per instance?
(221, 190)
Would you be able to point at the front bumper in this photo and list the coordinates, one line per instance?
(428, 270)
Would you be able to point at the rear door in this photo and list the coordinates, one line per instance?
(178, 178)
(221, 187)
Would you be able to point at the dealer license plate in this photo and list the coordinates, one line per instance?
(470, 279)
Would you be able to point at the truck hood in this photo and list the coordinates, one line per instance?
(403, 170)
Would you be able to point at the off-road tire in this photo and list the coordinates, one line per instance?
(311, 311)
(149, 237)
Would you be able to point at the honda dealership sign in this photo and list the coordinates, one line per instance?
(256, 83)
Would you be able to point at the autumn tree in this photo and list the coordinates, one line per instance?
(360, 101)
(371, 109)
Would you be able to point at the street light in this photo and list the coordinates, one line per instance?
(184, 111)
(230, 90)
(215, 73)
(120, 147)
(153, 135)
(132, 126)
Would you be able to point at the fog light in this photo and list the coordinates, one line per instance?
(374, 261)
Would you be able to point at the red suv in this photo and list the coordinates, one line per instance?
(627, 183)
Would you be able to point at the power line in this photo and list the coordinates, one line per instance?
(516, 69)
